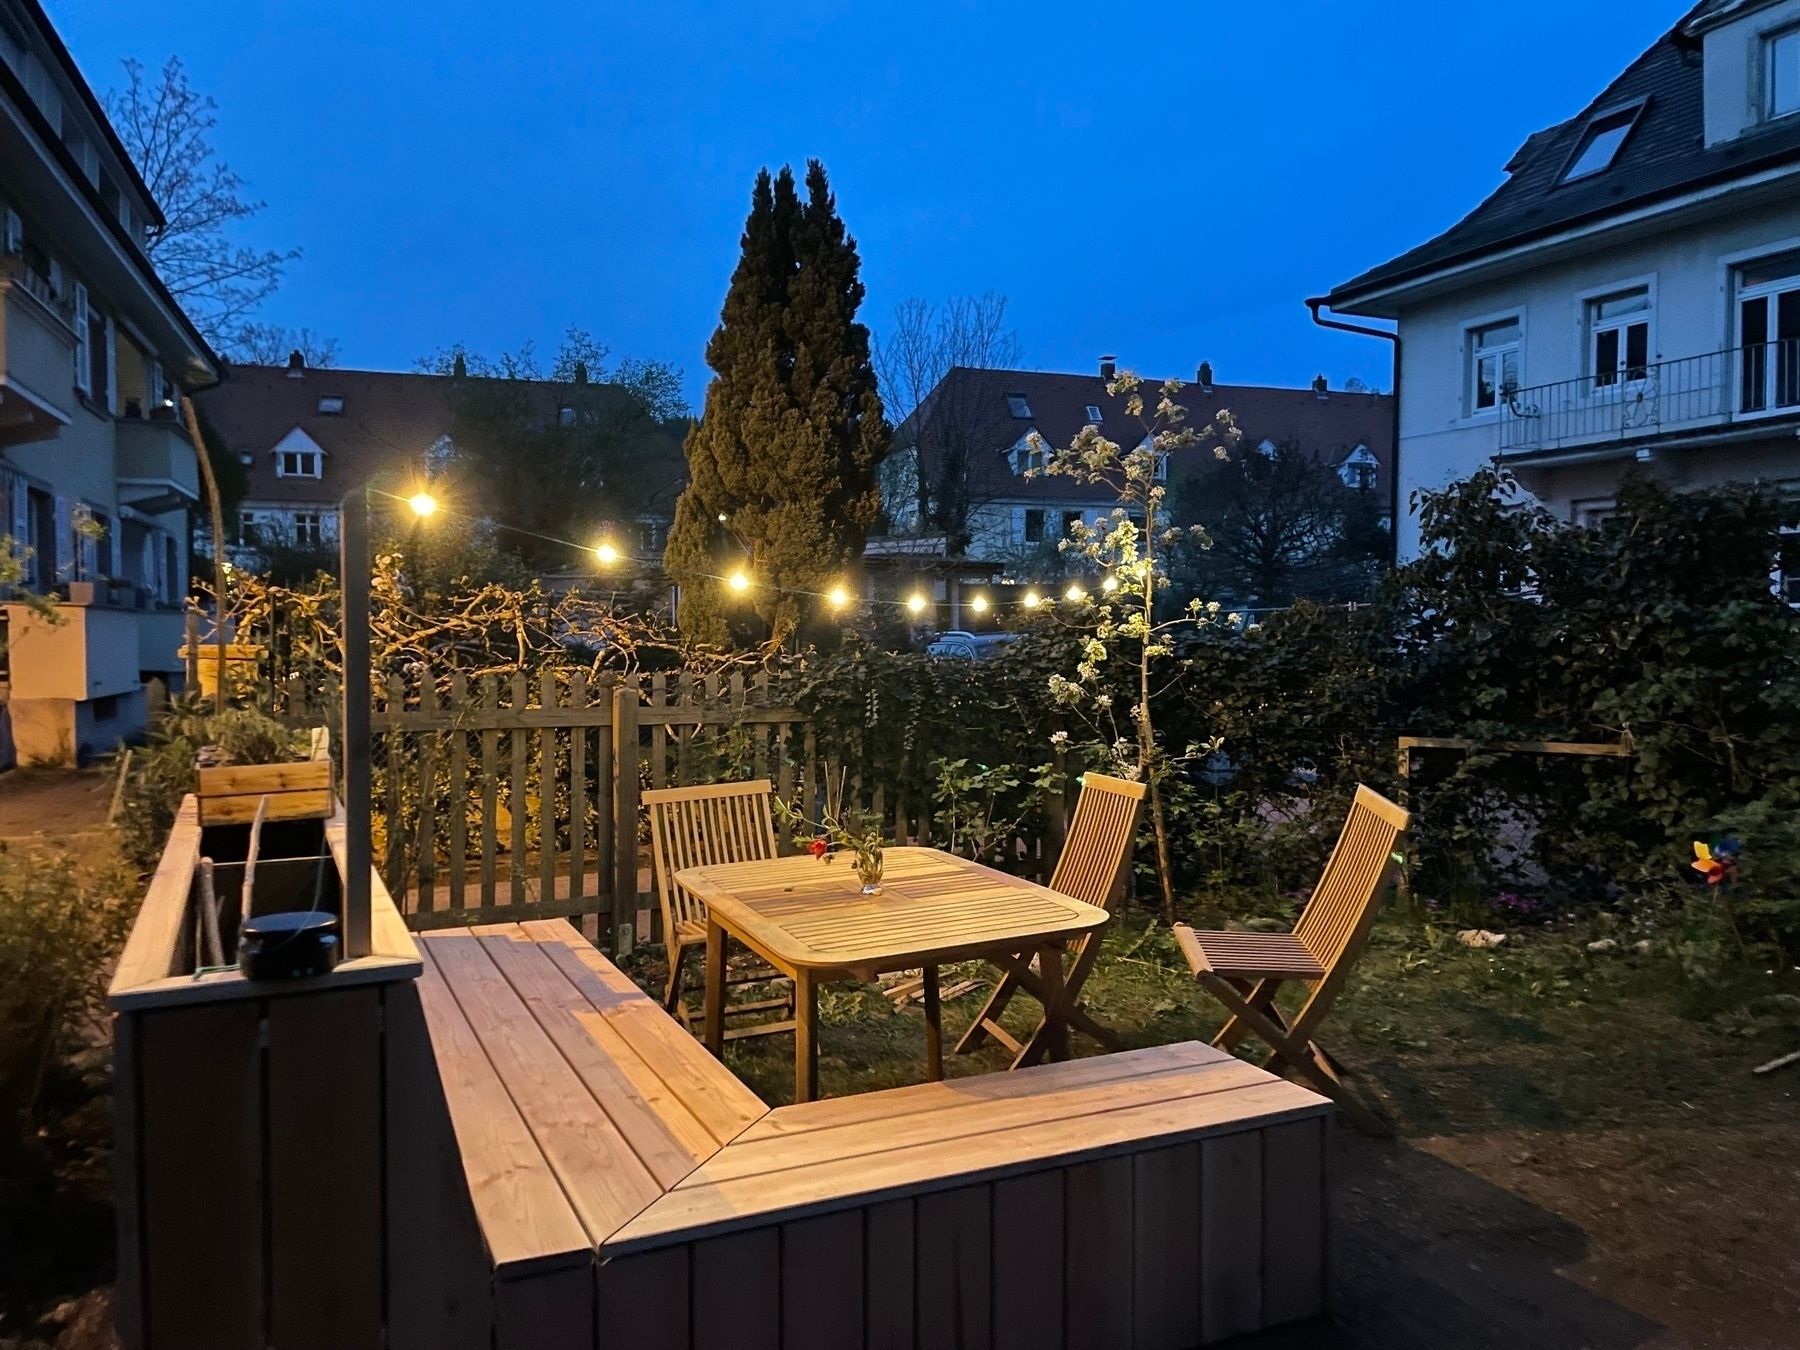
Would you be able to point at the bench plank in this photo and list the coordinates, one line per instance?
(525, 1218)
(603, 1179)
(661, 1131)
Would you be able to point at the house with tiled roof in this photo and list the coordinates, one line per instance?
(980, 433)
(1629, 297)
(308, 436)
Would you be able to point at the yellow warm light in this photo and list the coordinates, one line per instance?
(1110, 585)
(739, 582)
(607, 554)
(979, 604)
(423, 504)
(1075, 595)
(916, 603)
(1033, 599)
(838, 597)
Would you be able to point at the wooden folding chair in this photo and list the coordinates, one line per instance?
(1091, 868)
(1245, 971)
(700, 827)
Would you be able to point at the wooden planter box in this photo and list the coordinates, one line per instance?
(250, 1125)
(240, 663)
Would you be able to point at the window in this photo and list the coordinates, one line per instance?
(308, 528)
(331, 405)
(1028, 455)
(1600, 143)
(1034, 525)
(100, 354)
(1162, 467)
(1360, 471)
(1019, 405)
(84, 363)
(1787, 567)
(1093, 414)
(247, 527)
(1781, 54)
(1494, 364)
(298, 464)
(565, 414)
(1619, 337)
(1768, 301)
(12, 232)
(247, 458)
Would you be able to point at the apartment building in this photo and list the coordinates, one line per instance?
(96, 472)
(1629, 298)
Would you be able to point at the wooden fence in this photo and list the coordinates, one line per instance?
(508, 797)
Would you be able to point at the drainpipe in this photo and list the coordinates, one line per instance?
(1388, 335)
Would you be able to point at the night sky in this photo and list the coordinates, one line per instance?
(1163, 181)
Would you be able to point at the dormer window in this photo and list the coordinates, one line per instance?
(1781, 54)
(1601, 142)
(1019, 406)
(297, 464)
(331, 405)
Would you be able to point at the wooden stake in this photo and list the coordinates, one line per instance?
(256, 825)
(213, 952)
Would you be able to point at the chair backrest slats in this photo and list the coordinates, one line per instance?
(1337, 919)
(703, 826)
(1091, 867)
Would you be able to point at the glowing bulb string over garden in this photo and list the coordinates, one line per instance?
(740, 581)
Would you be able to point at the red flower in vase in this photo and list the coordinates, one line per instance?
(818, 848)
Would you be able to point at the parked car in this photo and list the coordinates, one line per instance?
(969, 646)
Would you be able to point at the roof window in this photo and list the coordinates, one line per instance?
(1600, 143)
(331, 405)
(1093, 413)
(1019, 405)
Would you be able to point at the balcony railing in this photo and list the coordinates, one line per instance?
(1691, 394)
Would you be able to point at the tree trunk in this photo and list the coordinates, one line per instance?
(1146, 729)
(217, 510)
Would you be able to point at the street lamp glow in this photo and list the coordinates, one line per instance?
(916, 603)
(739, 582)
(1074, 595)
(1033, 600)
(979, 604)
(838, 597)
(606, 553)
(423, 504)
(1110, 585)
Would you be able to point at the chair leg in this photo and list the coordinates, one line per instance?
(988, 1019)
(1293, 1054)
(672, 992)
(1261, 997)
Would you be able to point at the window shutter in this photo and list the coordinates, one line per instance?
(112, 367)
(14, 238)
(65, 537)
(20, 513)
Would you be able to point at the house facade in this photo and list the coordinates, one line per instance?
(1629, 299)
(983, 433)
(97, 474)
(306, 437)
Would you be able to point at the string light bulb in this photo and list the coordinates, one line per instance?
(1074, 595)
(916, 603)
(739, 582)
(979, 604)
(606, 553)
(1110, 585)
(838, 597)
(1032, 600)
(423, 504)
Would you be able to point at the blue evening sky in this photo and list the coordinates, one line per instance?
(1163, 181)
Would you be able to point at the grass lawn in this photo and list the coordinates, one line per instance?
(1581, 1161)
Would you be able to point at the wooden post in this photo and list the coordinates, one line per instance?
(191, 661)
(624, 806)
(353, 567)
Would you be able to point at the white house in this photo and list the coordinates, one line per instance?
(1629, 298)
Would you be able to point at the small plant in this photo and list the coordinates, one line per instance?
(836, 830)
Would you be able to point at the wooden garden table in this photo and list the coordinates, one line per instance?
(810, 920)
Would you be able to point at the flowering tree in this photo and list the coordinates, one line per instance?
(1126, 644)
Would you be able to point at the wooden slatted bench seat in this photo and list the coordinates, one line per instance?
(626, 1192)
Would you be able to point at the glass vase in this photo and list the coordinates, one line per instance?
(868, 871)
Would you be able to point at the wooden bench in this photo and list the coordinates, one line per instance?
(621, 1189)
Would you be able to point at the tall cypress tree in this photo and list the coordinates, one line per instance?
(793, 430)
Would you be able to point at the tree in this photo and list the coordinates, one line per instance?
(166, 125)
(782, 463)
(270, 344)
(1282, 527)
(950, 423)
(564, 457)
(1132, 548)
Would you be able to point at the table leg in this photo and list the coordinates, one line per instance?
(1056, 1027)
(715, 989)
(806, 1037)
(934, 1029)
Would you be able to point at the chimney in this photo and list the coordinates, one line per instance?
(1322, 387)
(1204, 375)
(581, 372)
(459, 368)
(1109, 366)
(296, 366)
